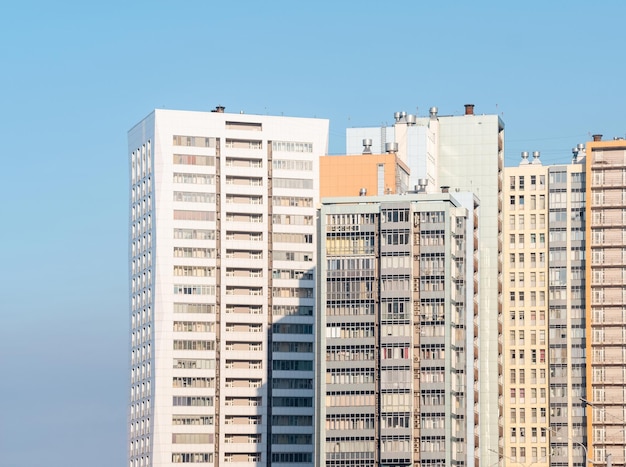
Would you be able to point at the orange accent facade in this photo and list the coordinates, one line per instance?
(606, 295)
(347, 175)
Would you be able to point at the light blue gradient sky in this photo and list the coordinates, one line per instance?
(77, 75)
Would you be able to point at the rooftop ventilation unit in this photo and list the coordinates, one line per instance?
(391, 148)
(367, 146)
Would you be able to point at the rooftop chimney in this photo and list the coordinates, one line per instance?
(433, 112)
(219, 109)
(469, 109)
(597, 137)
(445, 189)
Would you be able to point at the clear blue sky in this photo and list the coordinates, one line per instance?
(77, 75)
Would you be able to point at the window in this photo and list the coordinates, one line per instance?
(187, 159)
(192, 438)
(291, 164)
(243, 144)
(293, 183)
(195, 141)
(191, 457)
(293, 201)
(201, 179)
(558, 177)
(192, 401)
(291, 146)
(188, 215)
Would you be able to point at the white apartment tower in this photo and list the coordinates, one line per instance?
(222, 251)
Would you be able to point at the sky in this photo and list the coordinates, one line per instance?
(77, 75)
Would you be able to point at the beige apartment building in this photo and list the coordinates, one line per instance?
(542, 338)
(606, 327)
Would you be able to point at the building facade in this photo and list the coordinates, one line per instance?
(543, 325)
(397, 295)
(365, 174)
(465, 153)
(606, 288)
(222, 254)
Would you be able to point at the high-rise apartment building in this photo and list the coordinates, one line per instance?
(222, 255)
(465, 153)
(606, 289)
(397, 294)
(543, 325)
